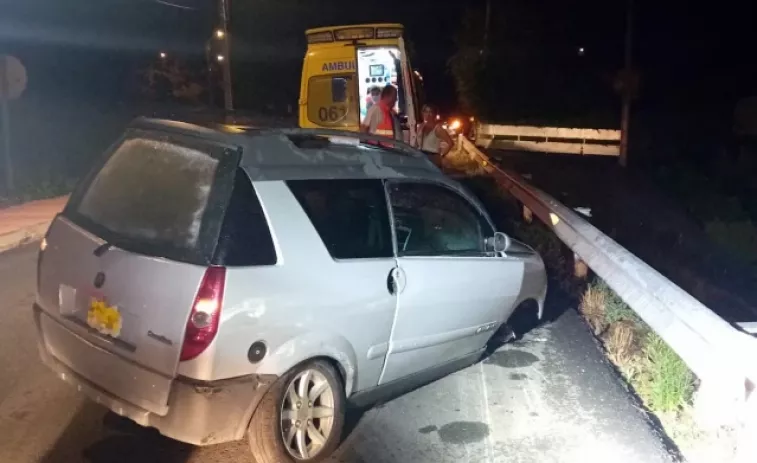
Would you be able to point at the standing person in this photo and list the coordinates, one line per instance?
(374, 94)
(381, 119)
(432, 138)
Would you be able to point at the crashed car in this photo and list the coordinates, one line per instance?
(220, 283)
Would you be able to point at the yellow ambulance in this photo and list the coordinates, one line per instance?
(344, 65)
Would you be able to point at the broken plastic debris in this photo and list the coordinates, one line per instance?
(586, 211)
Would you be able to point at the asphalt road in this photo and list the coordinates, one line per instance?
(550, 397)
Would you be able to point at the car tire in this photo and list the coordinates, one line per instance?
(503, 335)
(267, 429)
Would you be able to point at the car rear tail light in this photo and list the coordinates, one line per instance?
(205, 315)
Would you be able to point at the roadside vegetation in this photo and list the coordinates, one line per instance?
(726, 215)
(658, 375)
(33, 187)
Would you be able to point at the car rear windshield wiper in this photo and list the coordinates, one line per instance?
(102, 249)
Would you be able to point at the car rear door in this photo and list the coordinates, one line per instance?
(124, 261)
(452, 293)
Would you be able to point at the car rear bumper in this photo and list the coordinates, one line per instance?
(198, 412)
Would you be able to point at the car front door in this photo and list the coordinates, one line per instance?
(452, 292)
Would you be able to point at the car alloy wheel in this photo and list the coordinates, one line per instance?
(307, 414)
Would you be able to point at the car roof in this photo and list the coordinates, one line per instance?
(295, 154)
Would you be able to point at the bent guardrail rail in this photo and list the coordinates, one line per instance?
(723, 357)
(598, 142)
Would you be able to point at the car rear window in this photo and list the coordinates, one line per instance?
(159, 197)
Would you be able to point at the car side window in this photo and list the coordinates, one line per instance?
(245, 238)
(433, 220)
(351, 216)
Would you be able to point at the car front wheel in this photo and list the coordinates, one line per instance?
(301, 417)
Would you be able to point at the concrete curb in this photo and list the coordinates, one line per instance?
(24, 223)
(23, 236)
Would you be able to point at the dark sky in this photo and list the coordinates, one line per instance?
(685, 50)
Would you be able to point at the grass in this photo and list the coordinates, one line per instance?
(665, 383)
(615, 309)
(658, 375)
(654, 371)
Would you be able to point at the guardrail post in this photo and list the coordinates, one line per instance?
(580, 269)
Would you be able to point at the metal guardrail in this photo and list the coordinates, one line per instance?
(598, 142)
(723, 357)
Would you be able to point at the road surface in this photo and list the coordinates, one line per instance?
(550, 397)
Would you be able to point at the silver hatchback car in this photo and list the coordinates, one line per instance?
(217, 283)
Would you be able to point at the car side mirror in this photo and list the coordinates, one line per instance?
(498, 243)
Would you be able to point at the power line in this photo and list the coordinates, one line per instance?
(174, 5)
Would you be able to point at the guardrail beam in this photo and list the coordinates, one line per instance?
(597, 142)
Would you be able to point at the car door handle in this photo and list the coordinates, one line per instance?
(395, 281)
(391, 282)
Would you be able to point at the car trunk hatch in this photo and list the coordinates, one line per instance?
(124, 261)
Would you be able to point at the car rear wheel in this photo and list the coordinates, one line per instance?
(301, 417)
(502, 336)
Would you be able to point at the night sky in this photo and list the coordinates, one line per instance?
(687, 53)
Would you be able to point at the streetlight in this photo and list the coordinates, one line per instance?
(223, 57)
(163, 55)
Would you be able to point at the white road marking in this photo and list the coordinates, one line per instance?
(529, 401)
(487, 412)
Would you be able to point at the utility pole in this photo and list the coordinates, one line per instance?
(487, 22)
(224, 59)
(626, 95)
(209, 72)
(5, 131)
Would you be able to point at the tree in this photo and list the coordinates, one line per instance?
(466, 65)
(172, 79)
(511, 62)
